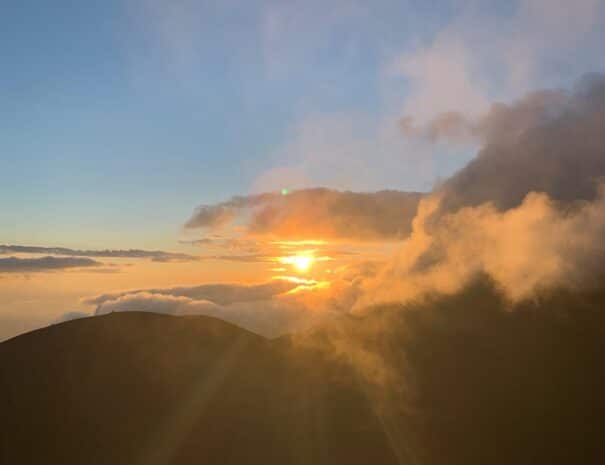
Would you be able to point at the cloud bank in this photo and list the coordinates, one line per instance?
(223, 294)
(547, 142)
(155, 255)
(528, 210)
(49, 263)
(267, 309)
(314, 214)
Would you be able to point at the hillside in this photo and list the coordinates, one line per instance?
(457, 380)
(140, 388)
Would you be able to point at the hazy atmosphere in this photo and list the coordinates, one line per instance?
(317, 172)
(152, 148)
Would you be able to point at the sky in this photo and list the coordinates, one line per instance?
(133, 124)
(170, 104)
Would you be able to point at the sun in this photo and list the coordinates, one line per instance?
(301, 263)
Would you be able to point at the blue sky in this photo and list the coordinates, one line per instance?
(119, 117)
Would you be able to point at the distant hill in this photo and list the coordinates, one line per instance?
(458, 380)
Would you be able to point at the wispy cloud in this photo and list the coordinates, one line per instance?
(155, 255)
(48, 263)
(480, 56)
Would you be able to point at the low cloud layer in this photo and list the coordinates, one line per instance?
(534, 247)
(223, 294)
(270, 318)
(155, 255)
(314, 214)
(49, 263)
(266, 309)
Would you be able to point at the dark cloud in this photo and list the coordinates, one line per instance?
(49, 263)
(155, 255)
(315, 213)
(549, 141)
(528, 211)
(502, 123)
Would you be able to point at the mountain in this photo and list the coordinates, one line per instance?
(464, 379)
(141, 388)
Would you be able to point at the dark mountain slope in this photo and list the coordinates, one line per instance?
(473, 379)
(140, 388)
(466, 379)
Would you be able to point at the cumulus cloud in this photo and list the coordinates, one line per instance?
(314, 213)
(155, 255)
(549, 141)
(49, 263)
(533, 247)
(529, 210)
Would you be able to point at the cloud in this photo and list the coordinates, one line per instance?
(528, 211)
(31, 265)
(443, 79)
(314, 214)
(480, 56)
(266, 309)
(350, 151)
(222, 294)
(534, 247)
(549, 141)
(270, 318)
(452, 125)
(273, 308)
(438, 87)
(155, 255)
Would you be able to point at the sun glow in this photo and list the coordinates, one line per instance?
(301, 263)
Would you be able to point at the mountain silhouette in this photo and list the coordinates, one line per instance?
(463, 379)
